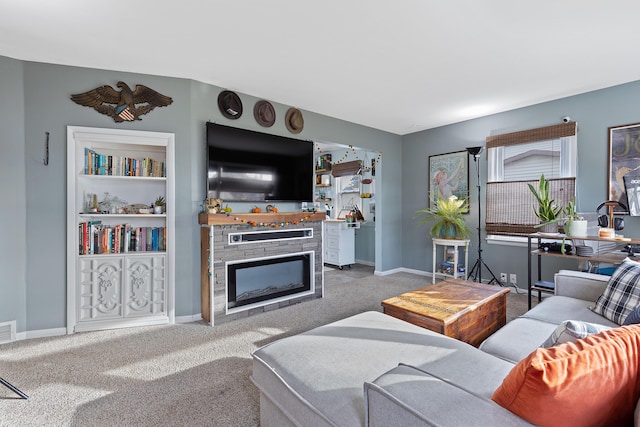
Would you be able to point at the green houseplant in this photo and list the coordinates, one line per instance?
(446, 215)
(575, 225)
(547, 211)
(159, 204)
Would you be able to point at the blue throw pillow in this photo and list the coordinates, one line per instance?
(633, 317)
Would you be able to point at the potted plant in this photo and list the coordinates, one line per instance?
(575, 225)
(547, 211)
(158, 205)
(446, 215)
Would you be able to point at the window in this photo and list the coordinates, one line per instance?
(519, 158)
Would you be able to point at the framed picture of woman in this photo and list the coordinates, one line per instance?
(449, 176)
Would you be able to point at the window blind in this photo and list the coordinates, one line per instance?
(510, 204)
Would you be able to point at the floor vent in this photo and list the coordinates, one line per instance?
(7, 332)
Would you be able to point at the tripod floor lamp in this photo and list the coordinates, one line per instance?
(13, 388)
(475, 273)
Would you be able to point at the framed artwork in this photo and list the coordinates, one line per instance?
(449, 175)
(624, 159)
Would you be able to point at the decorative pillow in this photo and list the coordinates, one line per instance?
(572, 330)
(633, 317)
(622, 294)
(593, 381)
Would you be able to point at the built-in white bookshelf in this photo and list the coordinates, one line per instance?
(120, 254)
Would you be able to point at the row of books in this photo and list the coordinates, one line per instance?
(98, 238)
(103, 164)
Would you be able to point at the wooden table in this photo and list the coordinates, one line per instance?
(467, 311)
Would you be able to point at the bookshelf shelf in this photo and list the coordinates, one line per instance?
(120, 263)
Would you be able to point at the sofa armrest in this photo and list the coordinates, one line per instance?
(580, 285)
(407, 396)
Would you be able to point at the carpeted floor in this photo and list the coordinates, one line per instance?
(187, 374)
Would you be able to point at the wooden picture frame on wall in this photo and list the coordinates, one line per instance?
(449, 175)
(624, 158)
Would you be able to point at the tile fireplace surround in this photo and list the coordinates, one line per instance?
(215, 234)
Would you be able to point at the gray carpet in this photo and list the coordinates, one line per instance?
(187, 374)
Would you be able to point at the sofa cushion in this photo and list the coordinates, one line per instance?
(598, 374)
(571, 330)
(557, 309)
(317, 377)
(633, 317)
(622, 294)
(405, 396)
(517, 339)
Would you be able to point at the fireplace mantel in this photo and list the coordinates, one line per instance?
(234, 218)
(216, 251)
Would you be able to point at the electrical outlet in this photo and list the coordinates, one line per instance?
(503, 277)
(513, 279)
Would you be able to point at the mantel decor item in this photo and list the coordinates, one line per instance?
(624, 158)
(264, 113)
(230, 104)
(294, 120)
(449, 176)
(124, 105)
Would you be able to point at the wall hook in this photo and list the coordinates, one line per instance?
(46, 150)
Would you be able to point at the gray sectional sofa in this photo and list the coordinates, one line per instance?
(375, 370)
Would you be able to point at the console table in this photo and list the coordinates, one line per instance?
(612, 257)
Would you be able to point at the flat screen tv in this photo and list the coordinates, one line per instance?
(249, 166)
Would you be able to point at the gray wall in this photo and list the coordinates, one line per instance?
(36, 100)
(13, 205)
(594, 112)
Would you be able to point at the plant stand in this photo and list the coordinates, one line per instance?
(447, 243)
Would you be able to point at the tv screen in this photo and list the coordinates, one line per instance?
(244, 165)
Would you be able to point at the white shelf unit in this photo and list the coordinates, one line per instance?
(127, 286)
(339, 243)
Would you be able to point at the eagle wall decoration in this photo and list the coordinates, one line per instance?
(125, 105)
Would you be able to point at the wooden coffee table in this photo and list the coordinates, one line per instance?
(467, 311)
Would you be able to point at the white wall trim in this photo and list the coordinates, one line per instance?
(189, 319)
(403, 270)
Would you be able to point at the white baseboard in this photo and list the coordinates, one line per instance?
(41, 333)
(402, 270)
(189, 319)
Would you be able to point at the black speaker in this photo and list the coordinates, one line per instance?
(603, 220)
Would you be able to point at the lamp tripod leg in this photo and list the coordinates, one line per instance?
(11, 387)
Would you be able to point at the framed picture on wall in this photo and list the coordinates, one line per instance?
(449, 175)
(624, 159)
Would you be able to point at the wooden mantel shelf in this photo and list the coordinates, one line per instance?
(234, 218)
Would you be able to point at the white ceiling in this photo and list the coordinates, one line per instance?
(399, 66)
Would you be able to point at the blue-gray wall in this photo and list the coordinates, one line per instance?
(13, 192)
(36, 100)
(594, 112)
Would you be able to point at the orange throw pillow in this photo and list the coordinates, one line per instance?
(591, 382)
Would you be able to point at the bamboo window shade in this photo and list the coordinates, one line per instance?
(510, 204)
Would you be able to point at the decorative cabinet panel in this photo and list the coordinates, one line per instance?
(115, 288)
(120, 254)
